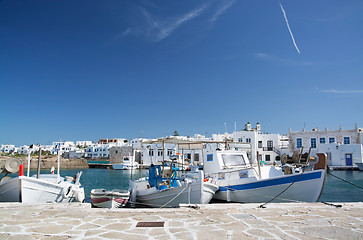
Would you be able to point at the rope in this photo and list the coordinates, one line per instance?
(345, 181)
(263, 205)
(280, 198)
(333, 205)
(187, 185)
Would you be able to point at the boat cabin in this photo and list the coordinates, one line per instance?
(220, 160)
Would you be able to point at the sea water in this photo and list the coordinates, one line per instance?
(335, 190)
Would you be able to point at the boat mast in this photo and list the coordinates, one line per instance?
(58, 174)
(28, 172)
(39, 155)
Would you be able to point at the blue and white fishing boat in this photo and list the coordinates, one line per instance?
(239, 180)
(159, 190)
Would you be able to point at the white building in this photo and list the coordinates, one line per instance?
(343, 147)
(267, 146)
(102, 149)
(23, 149)
(84, 143)
(185, 149)
(7, 148)
(65, 146)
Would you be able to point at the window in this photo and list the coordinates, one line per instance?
(170, 152)
(240, 140)
(267, 158)
(346, 140)
(151, 152)
(230, 160)
(298, 142)
(313, 142)
(160, 152)
(248, 140)
(270, 145)
(322, 140)
(196, 157)
(331, 140)
(259, 144)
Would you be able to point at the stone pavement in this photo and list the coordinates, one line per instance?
(213, 221)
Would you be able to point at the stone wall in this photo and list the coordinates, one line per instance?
(47, 162)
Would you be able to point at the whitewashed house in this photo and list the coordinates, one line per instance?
(343, 147)
(267, 146)
(65, 146)
(7, 148)
(83, 143)
(158, 150)
(102, 149)
(23, 149)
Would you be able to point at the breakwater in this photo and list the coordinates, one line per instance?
(47, 162)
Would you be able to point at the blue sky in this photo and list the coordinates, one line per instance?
(84, 70)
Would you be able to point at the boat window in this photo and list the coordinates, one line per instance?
(230, 160)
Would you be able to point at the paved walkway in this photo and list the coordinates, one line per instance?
(213, 221)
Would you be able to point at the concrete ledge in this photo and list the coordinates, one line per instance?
(211, 221)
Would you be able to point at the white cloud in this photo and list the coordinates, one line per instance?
(158, 27)
(222, 8)
(158, 30)
(341, 91)
(288, 26)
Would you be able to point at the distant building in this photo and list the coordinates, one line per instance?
(343, 147)
(65, 146)
(267, 146)
(115, 140)
(7, 148)
(117, 154)
(84, 143)
(102, 149)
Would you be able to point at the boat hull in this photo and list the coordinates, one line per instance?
(109, 199)
(32, 190)
(360, 166)
(305, 187)
(193, 193)
(121, 166)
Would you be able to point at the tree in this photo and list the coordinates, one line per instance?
(176, 133)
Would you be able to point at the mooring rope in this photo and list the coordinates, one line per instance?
(187, 185)
(263, 205)
(346, 181)
(262, 195)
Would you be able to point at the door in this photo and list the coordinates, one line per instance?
(348, 159)
(270, 145)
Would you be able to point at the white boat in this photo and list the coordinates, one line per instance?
(127, 164)
(40, 188)
(171, 192)
(241, 181)
(360, 166)
(46, 188)
(115, 198)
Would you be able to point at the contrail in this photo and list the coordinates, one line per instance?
(288, 26)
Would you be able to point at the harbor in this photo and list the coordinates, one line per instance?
(181, 120)
(213, 221)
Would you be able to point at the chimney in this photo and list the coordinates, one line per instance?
(248, 126)
(258, 127)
